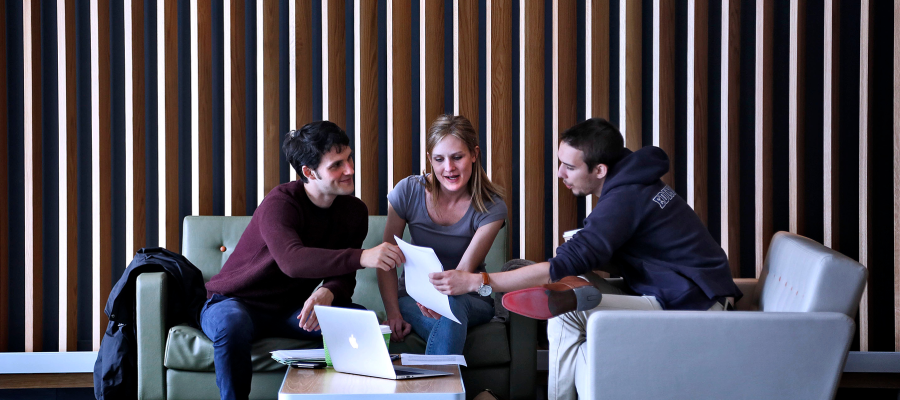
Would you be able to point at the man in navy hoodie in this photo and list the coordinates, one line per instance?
(640, 229)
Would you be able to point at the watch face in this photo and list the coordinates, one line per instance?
(484, 290)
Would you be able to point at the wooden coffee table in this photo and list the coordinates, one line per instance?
(302, 383)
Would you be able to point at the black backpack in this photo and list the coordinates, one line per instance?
(115, 372)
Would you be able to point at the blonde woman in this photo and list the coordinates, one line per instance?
(456, 211)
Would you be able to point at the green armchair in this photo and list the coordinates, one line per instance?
(176, 362)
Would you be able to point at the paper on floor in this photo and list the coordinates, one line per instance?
(424, 359)
(420, 261)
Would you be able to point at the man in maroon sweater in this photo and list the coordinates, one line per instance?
(304, 233)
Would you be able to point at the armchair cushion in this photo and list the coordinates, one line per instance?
(188, 349)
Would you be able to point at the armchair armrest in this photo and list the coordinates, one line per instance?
(152, 330)
(523, 356)
(701, 354)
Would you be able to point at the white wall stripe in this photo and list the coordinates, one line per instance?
(390, 94)
(489, 90)
(195, 113)
(357, 100)
(456, 56)
(325, 115)
(588, 80)
(522, 93)
(292, 73)
(63, 179)
(423, 80)
(129, 135)
(161, 119)
(260, 110)
(623, 94)
(95, 175)
(226, 36)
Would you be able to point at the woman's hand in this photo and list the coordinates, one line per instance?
(399, 328)
(455, 282)
(428, 312)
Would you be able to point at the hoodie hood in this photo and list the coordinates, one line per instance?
(642, 167)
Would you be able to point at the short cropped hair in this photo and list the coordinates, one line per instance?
(307, 145)
(598, 139)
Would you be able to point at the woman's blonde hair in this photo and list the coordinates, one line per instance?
(480, 186)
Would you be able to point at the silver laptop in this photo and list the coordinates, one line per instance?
(356, 345)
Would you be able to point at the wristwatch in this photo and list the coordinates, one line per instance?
(485, 289)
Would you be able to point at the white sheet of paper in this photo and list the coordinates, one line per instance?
(423, 359)
(420, 261)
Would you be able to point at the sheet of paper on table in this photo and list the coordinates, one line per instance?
(424, 359)
(288, 356)
(421, 261)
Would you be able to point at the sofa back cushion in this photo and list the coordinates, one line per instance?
(367, 293)
(204, 238)
(801, 275)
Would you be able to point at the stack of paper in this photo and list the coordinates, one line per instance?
(423, 359)
(287, 357)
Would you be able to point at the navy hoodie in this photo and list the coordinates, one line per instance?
(642, 230)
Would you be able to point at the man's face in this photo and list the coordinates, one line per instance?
(574, 172)
(335, 172)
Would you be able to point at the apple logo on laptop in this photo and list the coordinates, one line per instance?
(353, 342)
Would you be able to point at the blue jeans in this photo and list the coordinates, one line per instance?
(444, 336)
(233, 326)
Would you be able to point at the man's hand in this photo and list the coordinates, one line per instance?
(307, 317)
(399, 327)
(385, 257)
(454, 282)
(428, 312)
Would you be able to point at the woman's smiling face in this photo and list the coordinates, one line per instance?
(452, 163)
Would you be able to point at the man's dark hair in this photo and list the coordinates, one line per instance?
(600, 141)
(307, 145)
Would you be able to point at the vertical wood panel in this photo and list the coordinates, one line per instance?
(831, 124)
(101, 198)
(564, 107)
(4, 191)
(239, 107)
(796, 116)
(730, 134)
(630, 73)
(34, 196)
(205, 100)
(68, 190)
(399, 71)
(432, 63)
(866, 233)
(303, 47)
(763, 126)
(597, 53)
(532, 141)
(271, 84)
(664, 83)
(366, 71)
(896, 176)
(135, 128)
(698, 107)
(335, 58)
(465, 63)
(170, 58)
(499, 106)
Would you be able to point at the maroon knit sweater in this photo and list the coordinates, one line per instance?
(290, 246)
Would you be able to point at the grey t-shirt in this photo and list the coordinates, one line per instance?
(449, 242)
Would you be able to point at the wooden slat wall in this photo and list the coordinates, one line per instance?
(866, 233)
(4, 190)
(597, 51)
(697, 106)
(101, 71)
(399, 70)
(565, 107)
(831, 126)
(34, 197)
(630, 73)
(135, 131)
(465, 60)
(797, 117)
(763, 134)
(238, 101)
(366, 43)
(203, 203)
(271, 125)
(432, 62)
(68, 184)
(664, 83)
(302, 29)
(169, 173)
(531, 173)
(336, 59)
(499, 100)
(729, 195)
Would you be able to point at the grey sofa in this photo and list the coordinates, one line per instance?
(788, 339)
(176, 362)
